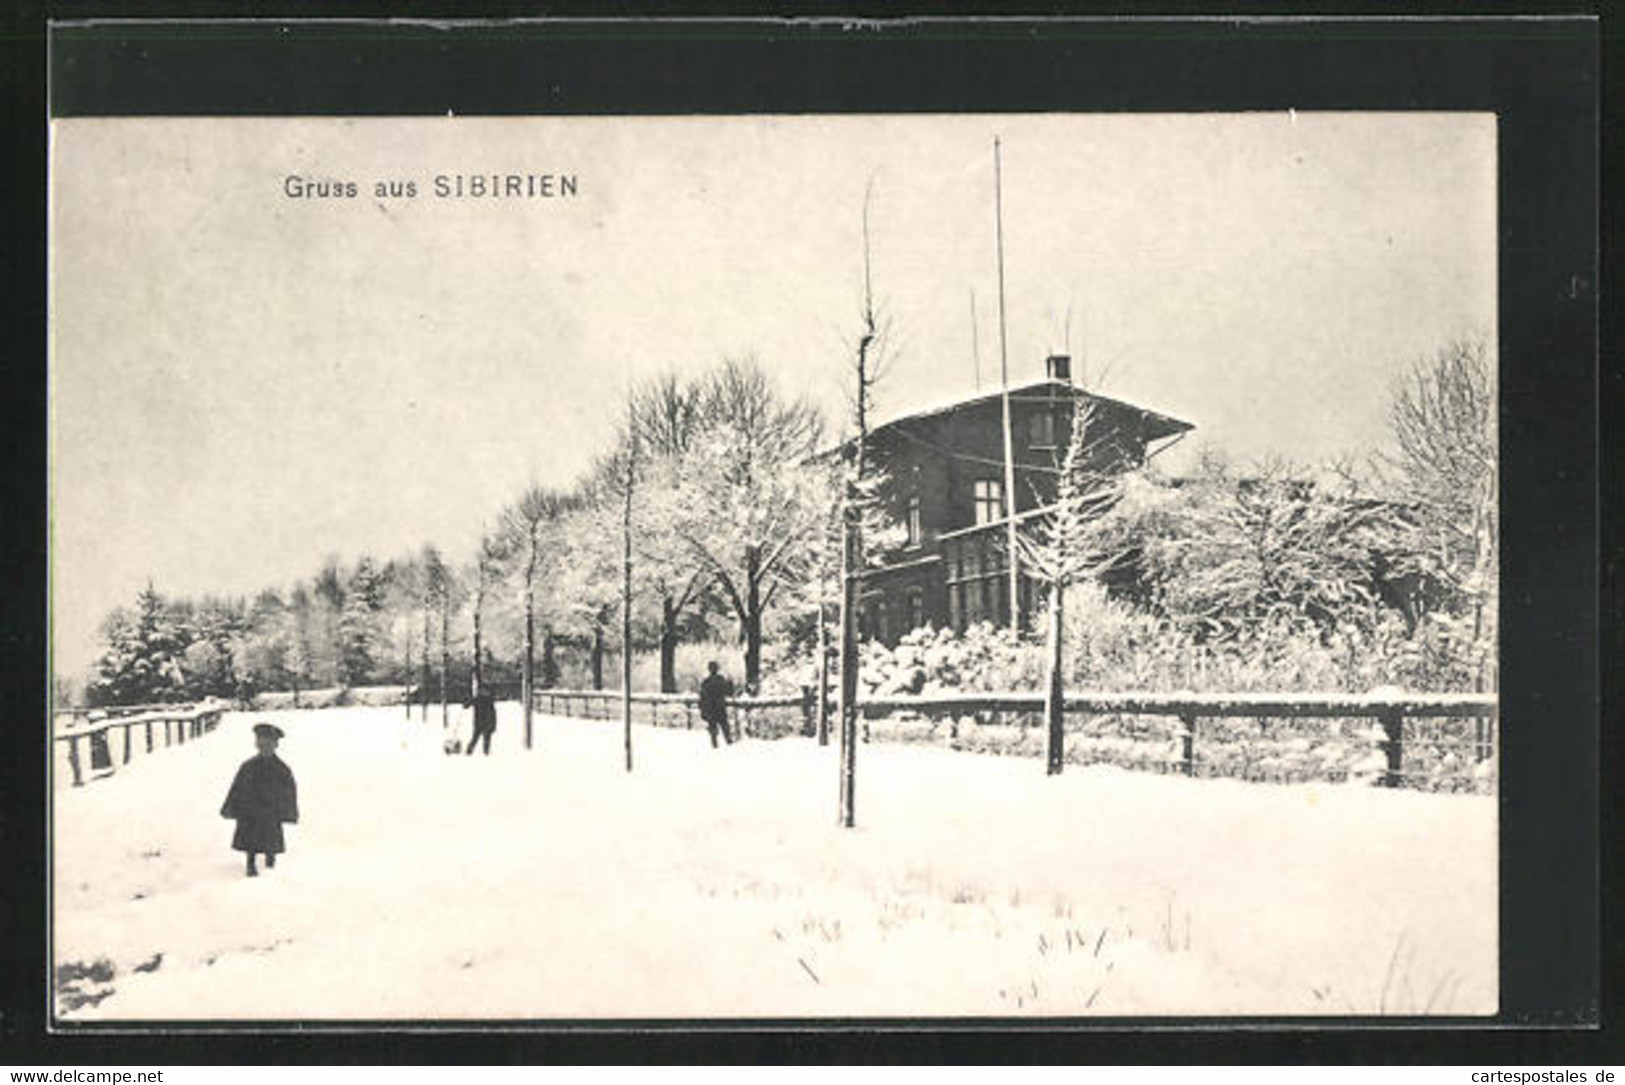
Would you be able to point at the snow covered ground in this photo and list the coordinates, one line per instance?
(551, 884)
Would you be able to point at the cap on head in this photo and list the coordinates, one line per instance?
(267, 730)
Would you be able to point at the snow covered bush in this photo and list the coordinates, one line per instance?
(1118, 647)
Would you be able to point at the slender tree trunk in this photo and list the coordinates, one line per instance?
(407, 671)
(527, 673)
(668, 645)
(445, 665)
(1055, 696)
(423, 688)
(851, 586)
(823, 676)
(852, 552)
(479, 666)
(626, 616)
(753, 619)
(597, 657)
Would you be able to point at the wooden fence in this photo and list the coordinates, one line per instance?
(756, 717)
(91, 746)
(1399, 723)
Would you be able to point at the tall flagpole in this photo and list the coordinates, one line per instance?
(975, 345)
(1004, 402)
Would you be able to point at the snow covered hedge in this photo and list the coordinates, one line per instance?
(1115, 647)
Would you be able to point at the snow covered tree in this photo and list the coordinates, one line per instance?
(435, 586)
(627, 480)
(745, 506)
(1069, 544)
(360, 635)
(667, 418)
(297, 629)
(215, 628)
(1445, 467)
(858, 493)
(526, 526)
(327, 598)
(141, 663)
(584, 595)
(487, 575)
(448, 599)
(262, 653)
(1275, 546)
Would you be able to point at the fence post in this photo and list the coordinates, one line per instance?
(688, 715)
(73, 761)
(127, 750)
(808, 726)
(1393, 726)
(149, 736)
(1187, 742)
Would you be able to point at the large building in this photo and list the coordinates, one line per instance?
(946, 484)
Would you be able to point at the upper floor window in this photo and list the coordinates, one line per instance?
(1041, 429)
(988, 495)
(914, 532)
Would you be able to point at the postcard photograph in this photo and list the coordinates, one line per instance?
(773, 567)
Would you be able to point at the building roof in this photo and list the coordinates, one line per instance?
(1157, 426)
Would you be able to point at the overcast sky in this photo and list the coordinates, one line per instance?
(243, 383)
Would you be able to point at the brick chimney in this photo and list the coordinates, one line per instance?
(1058, 367)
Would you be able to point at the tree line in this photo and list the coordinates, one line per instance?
(711, 492)
(730, 503)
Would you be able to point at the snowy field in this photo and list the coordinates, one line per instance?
(715, 884)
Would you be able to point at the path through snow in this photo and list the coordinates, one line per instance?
(552, 884)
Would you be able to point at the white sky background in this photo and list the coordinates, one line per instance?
(243, 383)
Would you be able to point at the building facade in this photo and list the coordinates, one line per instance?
(946, 484)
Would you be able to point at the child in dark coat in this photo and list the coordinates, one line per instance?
(262, 797)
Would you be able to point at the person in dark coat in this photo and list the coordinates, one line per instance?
(714, 693)
(262, 796)
(485, 721)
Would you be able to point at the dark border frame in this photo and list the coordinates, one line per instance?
(1539, 76)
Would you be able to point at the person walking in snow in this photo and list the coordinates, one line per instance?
(262, 796)
(714, 693)
(485, 721)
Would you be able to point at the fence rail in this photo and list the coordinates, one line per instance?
(1397, 717)
(1459, 757)
(758, 717)
(179, 723)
